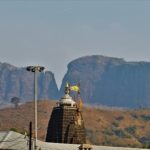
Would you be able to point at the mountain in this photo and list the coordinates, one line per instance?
(110, 81)
(17, 82)
(104, 81)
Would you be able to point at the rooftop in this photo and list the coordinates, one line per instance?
(16, 141)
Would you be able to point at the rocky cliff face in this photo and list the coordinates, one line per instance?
(104, 80)
(111, 81)
(17, 82)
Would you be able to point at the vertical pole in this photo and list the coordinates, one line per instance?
(30, 136)
(35, 106)
(35, 69)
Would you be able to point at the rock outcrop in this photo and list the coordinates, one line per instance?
(110, 81)
(17, 82)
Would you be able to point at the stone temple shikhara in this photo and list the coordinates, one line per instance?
(66, 123)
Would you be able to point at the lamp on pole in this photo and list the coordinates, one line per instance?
(35, 70)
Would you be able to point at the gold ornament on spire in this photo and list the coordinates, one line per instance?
(67, 88)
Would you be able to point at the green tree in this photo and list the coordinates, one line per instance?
(15, 101)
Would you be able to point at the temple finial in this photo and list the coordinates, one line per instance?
(67, 88)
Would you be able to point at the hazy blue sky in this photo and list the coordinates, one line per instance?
(54, 32)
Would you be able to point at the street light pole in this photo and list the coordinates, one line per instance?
(35, 70)
(35, 106)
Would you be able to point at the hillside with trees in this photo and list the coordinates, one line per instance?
(104, 126)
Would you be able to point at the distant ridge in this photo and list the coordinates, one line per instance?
(111, 81)
(107, 81)
(17, 82)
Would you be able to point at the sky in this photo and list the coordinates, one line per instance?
(52, 33)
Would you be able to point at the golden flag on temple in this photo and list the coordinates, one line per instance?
(75, 88)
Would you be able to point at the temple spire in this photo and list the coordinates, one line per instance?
(67, 88)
